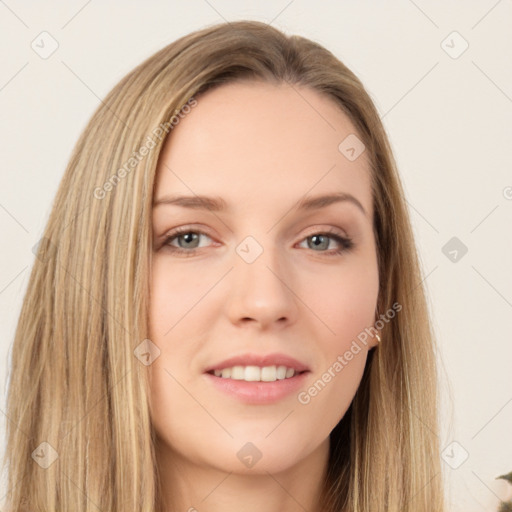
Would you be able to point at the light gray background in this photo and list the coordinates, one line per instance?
(449, 120)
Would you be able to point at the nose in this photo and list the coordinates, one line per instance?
(261, 292)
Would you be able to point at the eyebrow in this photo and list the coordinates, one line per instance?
(218, 204)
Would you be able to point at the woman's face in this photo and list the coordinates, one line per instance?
(258, 280)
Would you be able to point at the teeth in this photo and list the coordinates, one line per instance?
(255, 373)
(268, 374)
(281, 372)
(237, 373)
(252, 373)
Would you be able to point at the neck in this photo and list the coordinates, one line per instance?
(191, 487)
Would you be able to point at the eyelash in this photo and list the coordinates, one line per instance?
(346, 244)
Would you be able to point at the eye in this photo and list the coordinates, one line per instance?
(188, 242)
(322, 241)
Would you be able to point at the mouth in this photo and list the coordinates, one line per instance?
(256, 373)
(255, 379)
(255, 367)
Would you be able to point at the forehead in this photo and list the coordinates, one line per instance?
(257, 144)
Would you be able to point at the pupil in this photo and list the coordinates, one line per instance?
(317, 238)
(188, 237)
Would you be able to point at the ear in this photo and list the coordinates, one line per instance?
(375, 340)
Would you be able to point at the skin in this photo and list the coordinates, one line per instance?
(262, 148)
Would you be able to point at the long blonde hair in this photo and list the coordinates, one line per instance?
(75, 382)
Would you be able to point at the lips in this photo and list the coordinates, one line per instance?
(258, 379)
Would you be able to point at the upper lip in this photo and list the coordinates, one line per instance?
(260, 360)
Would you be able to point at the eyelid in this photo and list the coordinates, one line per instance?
(328, 231)
(194, 228)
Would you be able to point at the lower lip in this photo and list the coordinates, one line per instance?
(257, 393)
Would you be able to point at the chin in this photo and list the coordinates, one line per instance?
(272, 463)
(260, 454)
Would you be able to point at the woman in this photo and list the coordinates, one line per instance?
(226, 310)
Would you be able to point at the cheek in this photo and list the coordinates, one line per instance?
(344, 300)
(174, 308)
(175, 291)
(171, 306)
(346, 310)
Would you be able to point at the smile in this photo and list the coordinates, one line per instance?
(256, 373)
